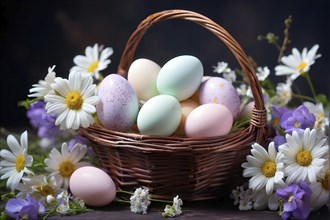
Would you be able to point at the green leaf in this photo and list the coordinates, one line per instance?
(323, 99)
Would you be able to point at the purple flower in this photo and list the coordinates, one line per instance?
(277, 114)
(279, 140)
(27, 208)
(297, 120)
(80, 140)
(295, 199)
(42, 121)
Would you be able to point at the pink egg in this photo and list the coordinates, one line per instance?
(247, 110)
(94, 186)
(220, 91)
(119, 105)
(209, 120)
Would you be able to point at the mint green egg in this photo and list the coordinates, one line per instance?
(160, 115)
(180, 77)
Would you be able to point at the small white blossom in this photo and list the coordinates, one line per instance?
(321, 122)
(63, 202)
(262, 73)
(283, 93)
(173, 210)
(140, 201)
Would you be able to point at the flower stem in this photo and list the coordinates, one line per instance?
(309, 81)
(302, 97)
(123, 191)
(121, 200)
(160, 200)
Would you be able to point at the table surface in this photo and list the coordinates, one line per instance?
(191, 210)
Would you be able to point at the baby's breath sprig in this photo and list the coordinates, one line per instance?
(141, 199)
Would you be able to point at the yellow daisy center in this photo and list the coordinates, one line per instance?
(297, 124)
(325, 181)
(276, 121)
(74, 100)
(19, 163)
(268, 169)
(45, 190)
(304, 158)
(66, 168)
(301, 66)
(93, 66)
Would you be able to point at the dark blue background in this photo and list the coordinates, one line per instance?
(39, 34)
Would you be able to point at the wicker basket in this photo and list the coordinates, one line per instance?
(194, 168)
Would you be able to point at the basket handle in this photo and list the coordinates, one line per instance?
(259, 114)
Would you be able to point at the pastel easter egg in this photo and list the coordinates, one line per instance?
(220, 91)
(209, 120)
(160, 116)
(180, 77)
(142, 75)
(94, 186)
(118, 107)
(247, 110)
(187, 106)
(195, 96)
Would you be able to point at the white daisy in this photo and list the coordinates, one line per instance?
(264, 168)
(62, 165)
(283, 93)
(95, 60)
(262, 73)
(44, 86)
(320, 190)
(262, 201)
(38, 187)
(317, 110)
(297, 63)
(303, 156)
(14, 163)
(73, 101)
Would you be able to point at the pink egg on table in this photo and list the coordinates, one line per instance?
(220, 91)
(209, 120)
(94, 186)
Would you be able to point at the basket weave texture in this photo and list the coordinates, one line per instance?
(194, 168)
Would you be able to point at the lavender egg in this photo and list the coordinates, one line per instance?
(119, 106)
(220, 91)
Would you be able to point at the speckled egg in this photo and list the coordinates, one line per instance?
(180, 77)
(119, 106)
(209, 120)
(220, 91)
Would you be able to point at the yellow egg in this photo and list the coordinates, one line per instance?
(187, 106)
